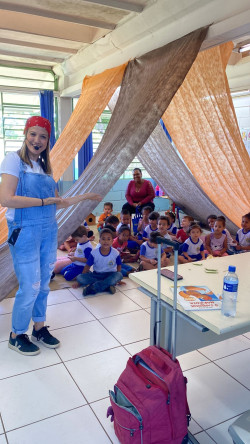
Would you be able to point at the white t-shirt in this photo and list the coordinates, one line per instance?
(11, 165)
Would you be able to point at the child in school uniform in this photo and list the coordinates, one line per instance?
(163, 225)
(148, 253)
(193, 248)
(106, 263)
(133, 242)
(173, 228)
(79, 257)
(243, 235)
(152, 226)
(112, 220)
(216, 242)
(144, 221)
(120, 243)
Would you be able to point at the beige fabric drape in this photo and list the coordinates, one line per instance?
(202, 123)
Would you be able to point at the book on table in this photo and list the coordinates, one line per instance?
(193, 297)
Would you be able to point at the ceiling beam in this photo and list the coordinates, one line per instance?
(38, 45)
(26, 56)
(56, 16)
(118, 4)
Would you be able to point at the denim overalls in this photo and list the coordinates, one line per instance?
(34, 252)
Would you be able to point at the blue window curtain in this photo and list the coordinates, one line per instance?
(47, 111)
(165, 130)
(85, 154)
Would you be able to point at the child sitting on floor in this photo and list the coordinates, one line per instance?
(120, 243)
(163, 225)
(148, 253)
(216, 242)
(70, 243)
(112, 220)
(193, 248)
(144, 221)
(107, 210)
(211, 221)
(182, 233)
(106, 263)
(78, 258)
(243, 235)
(173, 228)
(152, 226)
(133, 242)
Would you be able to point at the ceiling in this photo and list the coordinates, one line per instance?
(78, 37)
(47, 32)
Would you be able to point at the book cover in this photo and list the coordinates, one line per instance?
(197, 298)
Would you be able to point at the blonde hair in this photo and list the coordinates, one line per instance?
(43, 159)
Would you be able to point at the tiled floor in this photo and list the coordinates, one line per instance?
(61, 396)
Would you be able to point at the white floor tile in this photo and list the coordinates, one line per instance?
(247, 335)
(109, 305)
(203, 438)
(69, 313)
(3, 439)
(213, 396)
(13, 363)
(60, 296)
(138, 297)
(129, 284)
(100, 409)
(1, 427)
(136, 347)
(6, 305)
(191, 360)
(148, 310)
(238, 366)
(225, 348)
(220, 432)
(77, 292)
(5, 327)
(84, 339)
(97, 374)
(77, 426)
(36, 395)
(129, 327)
(194, 427)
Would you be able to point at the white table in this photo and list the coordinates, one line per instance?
(196, 329)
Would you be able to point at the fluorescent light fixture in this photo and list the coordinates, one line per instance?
(245, 48)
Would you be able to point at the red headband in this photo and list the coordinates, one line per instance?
(38, 121)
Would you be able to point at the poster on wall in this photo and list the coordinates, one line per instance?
(245, 134)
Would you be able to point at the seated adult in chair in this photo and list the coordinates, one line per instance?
(139, 193)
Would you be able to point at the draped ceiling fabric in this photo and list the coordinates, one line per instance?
(165, 166)
(143, 99)
(203, 125)
(96, 93)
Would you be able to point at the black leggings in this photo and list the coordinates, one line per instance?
(132, 209)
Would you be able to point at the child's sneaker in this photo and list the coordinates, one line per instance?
(88, 290)
(112, 289)
(22, 344)
(43, 335)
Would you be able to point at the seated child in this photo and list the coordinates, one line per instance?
(216, 242)
(193, 248)
(243, 235)
(106, 263)
(230, 240)
(144, 221)
(107, 210)
(163, 225)
(78, 258)
(70, 244)
(120, 243)
(133, 242)
(173, 228)
(211, 221)
(152, 226)
(112, 220)
(148, 254)
(182, 233)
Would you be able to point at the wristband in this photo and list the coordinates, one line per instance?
(42, 202)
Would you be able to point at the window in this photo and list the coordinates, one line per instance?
(97, 134)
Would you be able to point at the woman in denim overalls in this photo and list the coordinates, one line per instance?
(33, 234)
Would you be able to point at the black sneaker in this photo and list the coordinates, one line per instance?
(52, 276)
(112, 289)
(88, 291)
(43, 335)
(22, 344)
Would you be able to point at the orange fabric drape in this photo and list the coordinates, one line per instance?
(202, 123)
(96, 92)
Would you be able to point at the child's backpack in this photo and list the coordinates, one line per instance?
(149, 403)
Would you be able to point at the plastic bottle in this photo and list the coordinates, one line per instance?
(157, 190)
(230, 291)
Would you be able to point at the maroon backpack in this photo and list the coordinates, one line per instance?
(149, 403)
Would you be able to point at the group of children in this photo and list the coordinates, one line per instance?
(117, 246)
